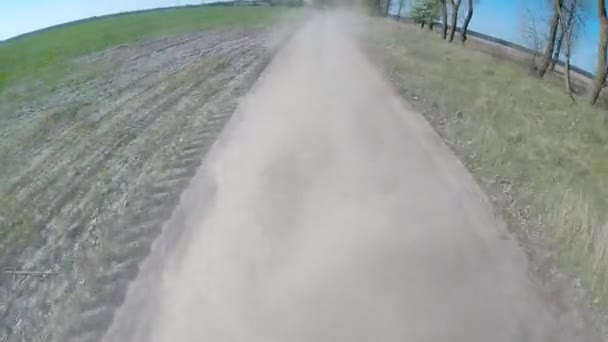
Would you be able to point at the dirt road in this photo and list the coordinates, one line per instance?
(330, 211)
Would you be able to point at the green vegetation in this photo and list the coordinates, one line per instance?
(425, 12)
(540, 156)
(50, 51)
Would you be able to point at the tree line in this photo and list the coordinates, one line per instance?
(554, 40)
(427, 12)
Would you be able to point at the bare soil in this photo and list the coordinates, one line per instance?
(91, 170)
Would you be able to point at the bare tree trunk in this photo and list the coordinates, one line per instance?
(422, 25)
(558, 50)
(399, 10)
(455, 8)
(567, 29)
(601, 71)
(467, 21)
(567, 64)
(444, 19)
(548, 55)
(431, 25)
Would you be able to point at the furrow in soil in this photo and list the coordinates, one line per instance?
(95, 188)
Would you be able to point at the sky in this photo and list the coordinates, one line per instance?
(499, 18)
(21, 16)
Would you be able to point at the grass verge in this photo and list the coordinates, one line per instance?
(50, 51)
(541, 158)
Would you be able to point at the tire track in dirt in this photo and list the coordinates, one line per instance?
(152, 116)
(101, 273)
(147, 89)
(161, 198)
(44, 158)
(40, 195)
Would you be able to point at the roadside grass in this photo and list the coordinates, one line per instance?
(542, 159)
(47, 53)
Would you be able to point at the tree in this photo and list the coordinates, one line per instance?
(601, 69)
(467, 21)
(558, 50)
(530, 23)
(567, 26)
(550, 45)
(399, 9)
(571, 20)
(561, 41)
(424, 12)
(444, 18)
(403, 4)
(455, 9)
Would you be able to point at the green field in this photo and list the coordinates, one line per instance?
(541, 158)
(45, 54)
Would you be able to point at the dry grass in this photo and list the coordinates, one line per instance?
(542, 159)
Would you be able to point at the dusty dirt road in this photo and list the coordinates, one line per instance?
(330, 211)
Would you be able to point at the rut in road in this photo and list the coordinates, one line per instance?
(337, 215)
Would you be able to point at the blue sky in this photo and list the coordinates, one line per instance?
(20, 16)
(500, 18)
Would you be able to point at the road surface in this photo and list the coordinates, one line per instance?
(330, 211)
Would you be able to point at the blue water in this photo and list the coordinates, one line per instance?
(505, 20)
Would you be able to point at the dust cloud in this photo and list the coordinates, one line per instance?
(337, 214)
